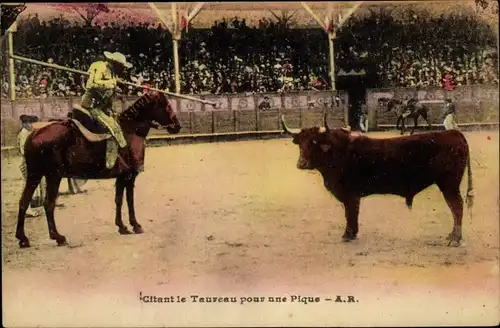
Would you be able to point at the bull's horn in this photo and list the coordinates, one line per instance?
(287, 129)
(325, 123)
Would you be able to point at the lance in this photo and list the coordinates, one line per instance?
(63, 68)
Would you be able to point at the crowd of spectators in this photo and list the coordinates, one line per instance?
(415, 51)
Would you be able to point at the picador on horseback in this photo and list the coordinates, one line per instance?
(100, 91)
(79, 147)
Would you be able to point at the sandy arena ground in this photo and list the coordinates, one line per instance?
(239, 219)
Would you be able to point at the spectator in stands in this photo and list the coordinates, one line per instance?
(265, 104)
(233, 57)
(448, 83)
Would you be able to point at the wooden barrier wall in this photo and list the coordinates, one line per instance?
(239, 112)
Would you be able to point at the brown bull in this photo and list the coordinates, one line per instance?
(355, 166)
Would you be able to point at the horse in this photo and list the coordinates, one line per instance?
(416, 109)
(79, 147)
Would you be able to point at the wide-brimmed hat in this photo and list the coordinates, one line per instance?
(119, 58)
(28, 118)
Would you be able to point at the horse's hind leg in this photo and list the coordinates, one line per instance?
(424, 115)
(29, 188)
(53, 183)
(119, 188)
(415, 122)
(130, 203)
(403, 126)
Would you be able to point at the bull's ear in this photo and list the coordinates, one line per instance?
(325, 147)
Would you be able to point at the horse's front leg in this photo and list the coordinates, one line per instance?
(130, 184)
(120, 187)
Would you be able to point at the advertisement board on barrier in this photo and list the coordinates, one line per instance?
(6, 109)
(27, 107)
(190, 106)
(431, 95)
(485, 93)
(221, 101)
(242, 102)
(321, 99)
(55, 107)
(295, 101)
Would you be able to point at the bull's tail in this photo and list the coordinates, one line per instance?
(469, 198)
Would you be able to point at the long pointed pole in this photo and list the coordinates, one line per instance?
(12, 72)
(331, 37)
(176, 35)
(63, 68)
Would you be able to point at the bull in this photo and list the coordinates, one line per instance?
(354, 166)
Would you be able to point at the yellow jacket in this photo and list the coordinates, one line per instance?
(100, 87)
(100, 76)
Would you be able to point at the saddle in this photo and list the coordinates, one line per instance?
(91, 129)
(94, 131)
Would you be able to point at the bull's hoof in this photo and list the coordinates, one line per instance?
(454, 239)
(348, 237)
(138, 229)
(454, 243)
(124, 231)
(24, 243)
(61, 241)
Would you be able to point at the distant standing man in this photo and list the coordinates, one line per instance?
(449, 115)
(363, 118)
(26, 128)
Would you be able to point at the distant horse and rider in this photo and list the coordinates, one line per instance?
(409, 108)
